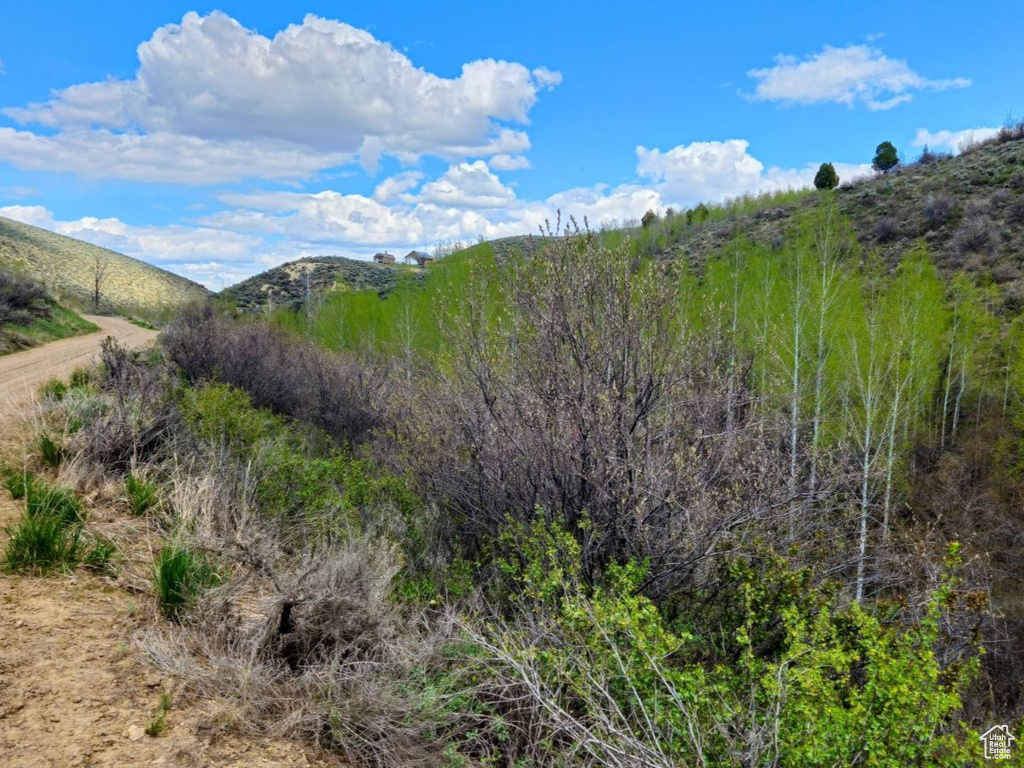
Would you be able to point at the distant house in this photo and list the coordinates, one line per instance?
(384, 258)
(418, 257)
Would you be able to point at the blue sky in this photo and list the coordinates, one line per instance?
(219, 140)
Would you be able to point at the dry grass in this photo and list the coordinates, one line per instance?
(67, 267)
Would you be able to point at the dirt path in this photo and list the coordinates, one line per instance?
(73, 688)
(22, 372)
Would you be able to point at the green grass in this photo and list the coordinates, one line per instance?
(51, 451)
(62, 324)
(142, 496)
(51, 534)
(158, 723)
(17, 484)
(42, 500)
(180, 575)
(41, 543)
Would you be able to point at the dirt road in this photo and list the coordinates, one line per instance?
(23, 372)
(74, 688)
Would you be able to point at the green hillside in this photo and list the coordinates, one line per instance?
(29, 315)
(968, 209)
(67, 267)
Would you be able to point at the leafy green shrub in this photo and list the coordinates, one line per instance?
(600, 667)
(51, 451)
(180, 575)
(225, 415)
(142, 496)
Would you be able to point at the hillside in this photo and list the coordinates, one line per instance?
(969, 209)
(29, 315)
(67, 267)
(290, 283)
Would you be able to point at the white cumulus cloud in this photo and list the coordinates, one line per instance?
(322, 90)
(953, 140)
(468, 185)
(856, 74)
(508, 163)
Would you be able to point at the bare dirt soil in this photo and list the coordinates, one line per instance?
(74, 689)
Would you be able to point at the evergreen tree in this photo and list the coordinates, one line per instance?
(826, 177)
(886, 157)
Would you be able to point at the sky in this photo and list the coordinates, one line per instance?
(220, 140)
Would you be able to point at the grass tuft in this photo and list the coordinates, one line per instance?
(41, 543)
(17, 484)
(180, 575)
(42, 500)
(142, 496)
(51, 451)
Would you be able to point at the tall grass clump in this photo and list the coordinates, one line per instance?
(17, 484)
(51, 534)
(51, 451)
(180, 575)
(142, 496)
(42, 500)
(42, 542)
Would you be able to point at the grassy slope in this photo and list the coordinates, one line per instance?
(889, 213)
(61, 324)
(67, 268)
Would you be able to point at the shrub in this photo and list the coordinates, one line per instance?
(976, 235)
(22, 300)
(928, 157)
(886, 229)
(648, 218)
(1000, 198)
(938, 207)
(142, 496)
(826, 177)
(977, 206)
(180, 575)
(287, 376)
(599, 667)
(1015, 213)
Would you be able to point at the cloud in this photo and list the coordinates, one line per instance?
(468, 185)
(397, 187)
(857, 74)
(161, 157)
(705, 170)
(954, 140)
(508, 163)
(713, 171)
(322, 91)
